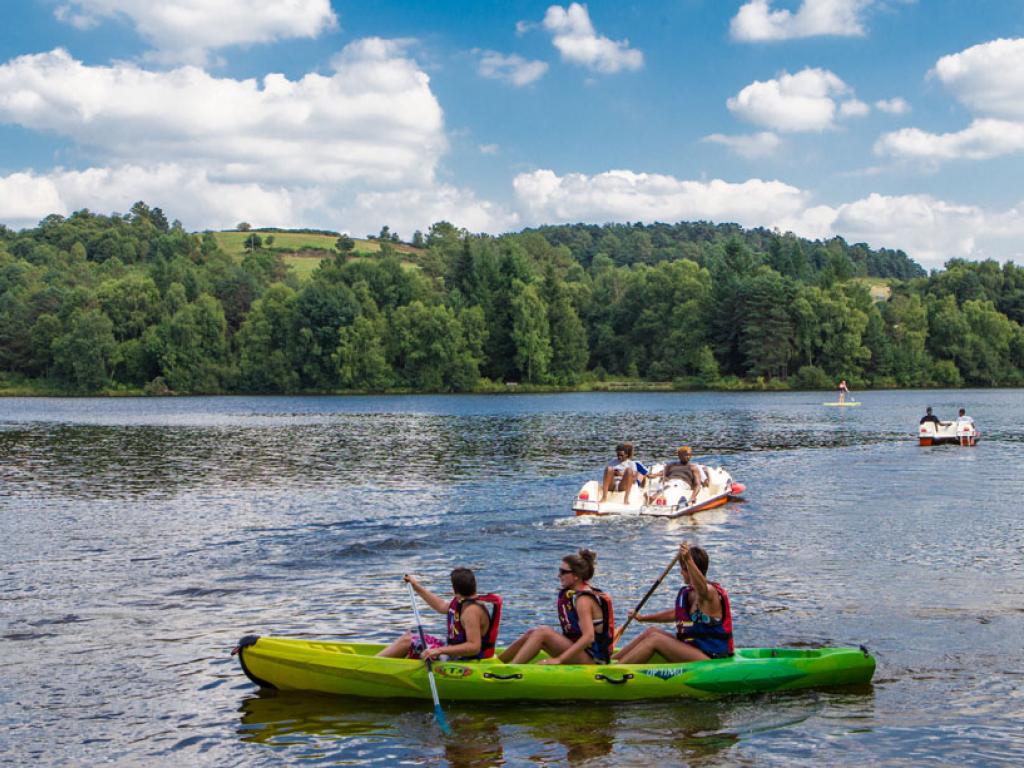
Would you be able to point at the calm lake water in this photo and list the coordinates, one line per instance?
(142, 537)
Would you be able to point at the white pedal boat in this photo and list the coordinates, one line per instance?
(658, 498)
(948, 433)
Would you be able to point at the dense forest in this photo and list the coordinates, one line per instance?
(133, 302)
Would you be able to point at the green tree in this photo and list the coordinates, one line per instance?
(83, 355)
(530, 332)
(264, 361)
(193, 347)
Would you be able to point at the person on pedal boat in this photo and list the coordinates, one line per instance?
(473, 622)
(586, 618)
(685, 471)
(621, 474)
(702, 615)
(930, 417)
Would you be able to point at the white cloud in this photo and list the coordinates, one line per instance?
(574, 36)
(185, 193)
(185, 30)
(26, 198)
(627, 196)
(854, 108)
(753, 145)
(489, 149)
(374, 118)
(987, 78)
(983, 139)
(513, 69)
(757, 22)
(928, 229)
(353, 149)
(408, 210)
(895, 106)
(801, 102)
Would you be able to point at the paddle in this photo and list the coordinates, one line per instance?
(643, 600)
(438, 712)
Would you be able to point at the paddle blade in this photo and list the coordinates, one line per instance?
(442, 723)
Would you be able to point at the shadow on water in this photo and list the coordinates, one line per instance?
(309, 725)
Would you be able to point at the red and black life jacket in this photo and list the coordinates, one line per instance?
(714, 637)
(457, 633)
(601, 649)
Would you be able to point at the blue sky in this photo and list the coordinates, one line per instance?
(894, 122)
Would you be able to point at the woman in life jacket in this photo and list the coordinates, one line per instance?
(702, 616)
(472, 623)
(586, 618)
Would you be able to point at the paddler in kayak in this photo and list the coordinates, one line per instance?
(701, 613)
(473, 622)
(586, 618)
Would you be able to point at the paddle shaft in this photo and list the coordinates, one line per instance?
(643, 600)
(438, 712)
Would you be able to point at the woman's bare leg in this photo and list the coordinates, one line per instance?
(541, 639)
(659, 641)
(398, 649)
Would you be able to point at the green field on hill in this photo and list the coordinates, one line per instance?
(302, 251)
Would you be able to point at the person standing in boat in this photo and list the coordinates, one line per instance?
(586, 618)
(843, 389)
(702, 615)
(623, 473)
(473, 622)
(685, 471)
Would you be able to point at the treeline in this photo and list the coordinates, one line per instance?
(105, 303)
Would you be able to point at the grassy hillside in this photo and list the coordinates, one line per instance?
(301, 251)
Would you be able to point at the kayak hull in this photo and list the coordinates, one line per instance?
(352, 669)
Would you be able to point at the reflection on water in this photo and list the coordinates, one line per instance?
(143, 537)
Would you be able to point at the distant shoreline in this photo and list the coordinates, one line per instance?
(31, 390)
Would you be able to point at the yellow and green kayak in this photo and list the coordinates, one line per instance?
(353, 669)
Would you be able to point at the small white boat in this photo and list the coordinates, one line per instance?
(948, 433)
(659, 498)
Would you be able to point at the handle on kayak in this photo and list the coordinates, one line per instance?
(513, 676)
(620, 681)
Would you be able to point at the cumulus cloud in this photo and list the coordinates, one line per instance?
(753, 145)
(628, 196)
(374, 118)
(805, 101)
(983, 139)
(987, 78)
(930, 230)
(408, 210)
(574, 36)
(757, 22)
(895, 106)
(186, 30)
(315, 151)
(513, 69)
(854, 108)
(187, 193)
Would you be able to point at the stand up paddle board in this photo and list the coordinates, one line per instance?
(841, 405)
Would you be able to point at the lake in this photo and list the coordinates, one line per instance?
(143, 537)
